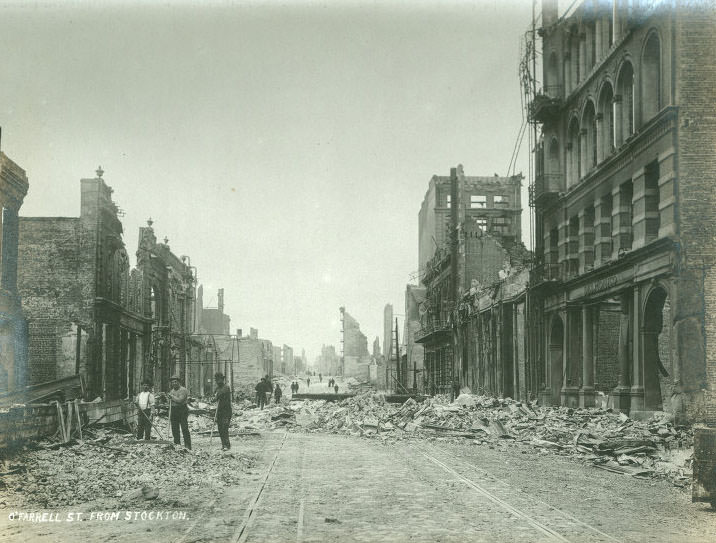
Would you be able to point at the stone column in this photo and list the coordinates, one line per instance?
(667, 200)
(586, 393)
(622, 391)
(570, 388)
(599, 53)
(582, 56)
(637, 375)
(602, 231)
(621, 225)
(586, 240)
(639, 203)
(10, 238)
(562, 244)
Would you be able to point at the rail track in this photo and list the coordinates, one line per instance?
(549, 521)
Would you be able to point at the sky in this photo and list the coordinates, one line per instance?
(285, 147)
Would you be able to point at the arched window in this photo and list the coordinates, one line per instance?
(651, 78)
(624, 104)
(589, 143)
(574, 151)
(605, 137)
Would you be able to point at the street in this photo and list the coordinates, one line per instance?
(322, 487)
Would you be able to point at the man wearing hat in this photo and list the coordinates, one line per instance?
(178, 397)
(145, 404)
(223, 410)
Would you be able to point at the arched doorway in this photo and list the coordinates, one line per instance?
(658, 373)
(556, 369)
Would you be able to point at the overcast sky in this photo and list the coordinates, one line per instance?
(285, 147)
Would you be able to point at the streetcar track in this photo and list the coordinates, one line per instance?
(534, 522)
(242, 533)
(302, 503)
(524, 516)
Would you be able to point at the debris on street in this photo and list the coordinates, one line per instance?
(602, 437)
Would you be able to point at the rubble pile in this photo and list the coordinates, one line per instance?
(606, 439)
(115, 466)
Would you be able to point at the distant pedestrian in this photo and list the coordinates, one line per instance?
(145, 404)
(335, 389)
(297, 386)
(320, 378)
(223, 410)
(178, 398)
(308, 382)
(277, 393)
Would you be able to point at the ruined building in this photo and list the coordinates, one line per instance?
(255, 358)
(84, 315)
(356, 357)
(624, 287)
(415, 355)
(166, 287)
(213, 330)
(469, 233)
(328, 362)
(13, 327)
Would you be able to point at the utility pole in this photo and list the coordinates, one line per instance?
(399, 373)
(343, 341)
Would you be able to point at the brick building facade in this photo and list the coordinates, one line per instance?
(84, 313)
(13, 326)
(624, 287)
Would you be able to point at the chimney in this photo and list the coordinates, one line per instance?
(221, 300)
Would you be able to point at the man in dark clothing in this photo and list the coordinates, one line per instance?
(277, 393)
(335, 389)
(261, 393)
(223, 410)
(178, 398)
(308, 382)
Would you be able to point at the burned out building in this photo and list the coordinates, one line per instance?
(461, 247)
(84, 315)
(414, 351)
(221, 348)
(255, 358)
(13, 326)
(356, 357)
(624, 284)
(166, 286)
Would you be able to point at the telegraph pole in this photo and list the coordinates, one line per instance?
(343, 341)
(398, 371)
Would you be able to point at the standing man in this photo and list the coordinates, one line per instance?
(261, 392)
(223, 410)
(308, 382)
(178, 398)
(277, 393)
(145, 404)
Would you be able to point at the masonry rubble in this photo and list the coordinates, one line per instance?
(104, 467)
(601, 437)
